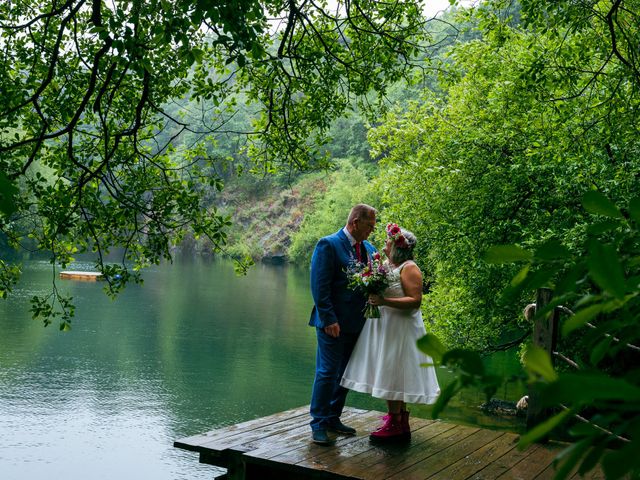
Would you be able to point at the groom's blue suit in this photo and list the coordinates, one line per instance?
(334, 302)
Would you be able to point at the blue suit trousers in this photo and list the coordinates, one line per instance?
(328, 397)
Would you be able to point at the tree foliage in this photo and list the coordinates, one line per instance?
(526, 176)
(601, 282)
(346, 187)
(87, 156)
(596, 398)
(535, 113)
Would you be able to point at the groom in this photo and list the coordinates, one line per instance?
(338, 317)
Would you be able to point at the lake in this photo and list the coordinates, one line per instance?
(194, 348)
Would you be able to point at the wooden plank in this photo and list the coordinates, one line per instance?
(504, 463)
(280, 446)
(237, 439)
(366, 453)
(283, 443)
(223, 447)
(385, 460)
(549, 473)
(432, 465)
(595, 474)
(376, 459)
(347, 449)
(80, 275)
(477, 460)
(425, 452)
(532, 464)
(284, 459)
(311, 450)
(268, 447)
(227, 450)
(273, 472)
(195, 442)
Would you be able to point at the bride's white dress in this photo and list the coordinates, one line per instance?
(386, 361)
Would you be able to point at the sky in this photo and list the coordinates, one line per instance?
(432, 7)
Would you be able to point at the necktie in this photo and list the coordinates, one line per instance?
(358, 254)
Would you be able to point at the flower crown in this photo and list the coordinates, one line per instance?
(395, 234)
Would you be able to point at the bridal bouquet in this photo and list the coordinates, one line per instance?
(370, 278)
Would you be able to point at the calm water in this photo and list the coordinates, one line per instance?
(194, 348)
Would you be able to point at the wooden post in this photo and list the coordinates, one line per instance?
(545, 335)
(236, 469)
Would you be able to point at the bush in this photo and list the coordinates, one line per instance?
(347, 186)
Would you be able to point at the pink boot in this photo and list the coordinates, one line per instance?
(406, 428)
(391, 430)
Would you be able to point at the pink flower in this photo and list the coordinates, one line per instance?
(392, 229)
(376, 256)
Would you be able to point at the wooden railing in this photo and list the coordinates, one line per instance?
(545, 335)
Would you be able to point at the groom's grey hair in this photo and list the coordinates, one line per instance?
(361, 211)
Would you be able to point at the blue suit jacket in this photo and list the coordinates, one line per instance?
(333, 300)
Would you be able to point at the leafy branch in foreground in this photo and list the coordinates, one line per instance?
(596, 399)
(89, 157)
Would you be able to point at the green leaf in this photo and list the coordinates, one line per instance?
(198, 54)
(591, 460)
(570, 456)
(581, 318)
(605, 268)
(8, 193)
(520, 276)
(580, 387)
(583, 430)
(618, 462)
(467, 360)
(633, 283)
(634, 209)
(598, 228)
(432, 346)
(596, 203)
(499, 254)
(600, 350)
(552, 250)
(568, 282)
(443, 399)
(537, 361)
(543, 429)
(542, 276)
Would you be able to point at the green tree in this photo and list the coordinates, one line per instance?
(533, 115)
(593, 393)
(347, 186)
(83, 92)
(537, 112)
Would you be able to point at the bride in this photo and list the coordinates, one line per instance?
(385, 360)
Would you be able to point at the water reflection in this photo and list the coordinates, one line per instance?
(194, 348)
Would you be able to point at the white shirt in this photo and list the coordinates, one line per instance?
(350, 237)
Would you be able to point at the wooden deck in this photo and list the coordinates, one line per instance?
(279, 447)
(78, 275)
